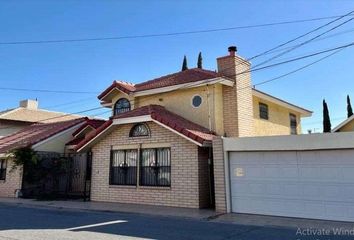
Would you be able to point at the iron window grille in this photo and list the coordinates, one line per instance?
(263, 111)
(121, 106)
(293, 124)
(123, 167)
(155, 167)
(139, 130)
(2, 169)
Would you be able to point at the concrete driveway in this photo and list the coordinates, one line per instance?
(19, 222)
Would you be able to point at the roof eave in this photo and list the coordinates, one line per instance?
(342, 124)
(303, 112)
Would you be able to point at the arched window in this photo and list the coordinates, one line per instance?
(121, 106)
(139, 130)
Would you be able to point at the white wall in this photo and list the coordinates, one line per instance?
(57, 142)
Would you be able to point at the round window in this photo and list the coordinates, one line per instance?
(196, 101)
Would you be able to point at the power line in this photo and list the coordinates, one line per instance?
(269, 66)
(298, 58)
(298, 69)
(294, 39)
(69, 103)
(167, 34)
(46, 90)
(318, 39)
(61, 116)
(301, 36)
(303, 43)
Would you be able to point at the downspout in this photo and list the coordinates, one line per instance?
(210, 157)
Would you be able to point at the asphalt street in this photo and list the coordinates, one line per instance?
(19, 222)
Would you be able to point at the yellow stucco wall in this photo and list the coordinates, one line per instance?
(278, 122)
(210, 113)
(349, 127)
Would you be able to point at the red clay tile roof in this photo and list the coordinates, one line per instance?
(35, 133)
(94, 123)
(190, 75)
(93, 134)
(75, 141)
(189, 129)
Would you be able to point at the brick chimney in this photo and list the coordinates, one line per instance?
(29, 104)
(238, 100)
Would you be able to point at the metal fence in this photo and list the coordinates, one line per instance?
(61, 176)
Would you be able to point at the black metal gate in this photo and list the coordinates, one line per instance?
(62, 176)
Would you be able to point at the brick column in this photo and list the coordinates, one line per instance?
(219, 175)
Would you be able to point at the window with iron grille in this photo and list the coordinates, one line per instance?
(2, 169)
(121, 106)
(139, 130)
(263, 111)
(155, 167)
(123, 167)
(293, 124)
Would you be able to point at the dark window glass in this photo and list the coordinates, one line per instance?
(263, 111)
(2, 169)
(293, 124)
(121, 106)
(123, 167)
(196, 101)
(155, 167)
(139, 130)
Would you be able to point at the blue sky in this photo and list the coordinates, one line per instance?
(92, 66)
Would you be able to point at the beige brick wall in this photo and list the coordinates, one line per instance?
(12, 182)
(219, 175)
(238, 105)
(185, 167)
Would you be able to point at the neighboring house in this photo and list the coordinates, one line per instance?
(42, 137)
(157, 146)
(13, 120)
(346, 126)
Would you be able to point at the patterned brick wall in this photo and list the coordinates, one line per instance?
(238, 105)
(219, 175)
(12, 182)
(187, 187)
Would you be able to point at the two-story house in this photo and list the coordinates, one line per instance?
(157, 146)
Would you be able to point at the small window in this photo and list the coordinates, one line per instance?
(2, 169)
(263, 111)
(121, 106)
(293, 124)
(155, 168)
(123, 167)
(197, 101)
(139, 130)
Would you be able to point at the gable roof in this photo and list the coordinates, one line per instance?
(187, 76)
(35, 133)
(342, 124)
(159, 115)
(35, 115)
(94, 123)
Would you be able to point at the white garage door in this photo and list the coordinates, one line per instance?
(309, 184)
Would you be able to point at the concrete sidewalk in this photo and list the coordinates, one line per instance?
(115, 207)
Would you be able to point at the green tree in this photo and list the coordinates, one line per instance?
(184, 64)
(326, 119)
(349, 107)
(200, 61)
